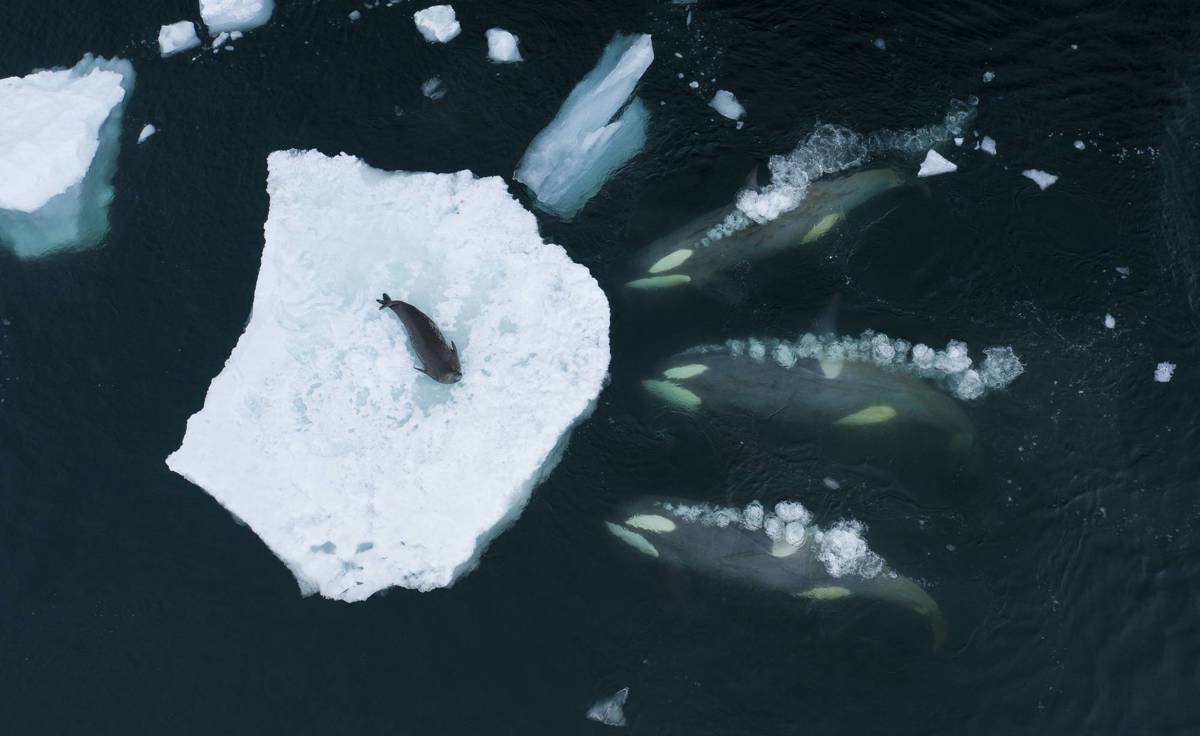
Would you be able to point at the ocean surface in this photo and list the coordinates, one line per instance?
(1067, 564)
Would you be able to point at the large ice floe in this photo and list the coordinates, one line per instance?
(357, 471)
(830, 149)
(596, 131)
(235, 15)
(952, 367)
(60, 133)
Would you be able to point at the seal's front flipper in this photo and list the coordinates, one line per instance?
(420, 369)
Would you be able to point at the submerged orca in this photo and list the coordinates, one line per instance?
(439, 358)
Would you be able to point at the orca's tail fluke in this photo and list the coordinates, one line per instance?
(385, 302)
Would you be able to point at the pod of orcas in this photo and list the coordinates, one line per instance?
(779, 551)
(691, 257)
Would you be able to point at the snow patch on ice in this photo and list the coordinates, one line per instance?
(1041, 178)
(935, 164)
(176, 37)
(568, 161)
(1163, 372)
(60, 133)
(235, 15)
(502, 46)
(437, 23)
(357, 471)
(843, 551)
(727, 104)
(830, 149)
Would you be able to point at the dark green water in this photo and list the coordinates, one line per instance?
(130, 602)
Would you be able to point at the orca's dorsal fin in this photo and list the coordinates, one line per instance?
(753, 182)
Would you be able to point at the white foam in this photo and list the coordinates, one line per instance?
(568, 161)
(1163, 372)
(727, 104)
(60, 133)
(176, 37)
(935, 164)
(235, 15)
(988, 145)
(357, 471)
(437, 23)
(1041, 178)
(829, 149)
(843, 551)
(503, 46)
(789, 511)
(752, 516)
(147, 130)
(610, 711)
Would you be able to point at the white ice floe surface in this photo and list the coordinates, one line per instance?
(727, 104)
(1163, 372)
(437, 23)
(176, 37)
(235, 15)
(611, 710)
(568, 161)
(147, 130)
(935, 164)
(952, 368)
(830, 149)
(503, 46)
(1041, 178)
(357, 471)
(60, 133)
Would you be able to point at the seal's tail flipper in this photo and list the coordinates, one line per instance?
(385, 302)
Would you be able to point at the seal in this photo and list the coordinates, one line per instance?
(439, 358)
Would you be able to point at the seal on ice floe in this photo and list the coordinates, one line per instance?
(439, 358)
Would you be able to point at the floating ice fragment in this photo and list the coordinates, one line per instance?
(989, 76)
(176, 37)
(935, 164)
(437, 23)
(1124, 271)
(610, 711)
(433, 88)
(831, 484)
(221, 38)
(147, 130)
(60, 133)
(319, 430)
(1079, 145)
(1163, 372)
(880, 44)
(568, 161)
(988, 145)
(694, 84)
(235, 35)
(958, 140)
(1041, 178)
(354, 15)
(727, 104)
(1109, 321)
(502, 46)
(235, 15)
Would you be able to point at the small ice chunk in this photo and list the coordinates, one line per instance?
(727, 104)
(147, 130)
(1109, 321)
(300, 431)
(60, 133)
(610, 711)
(568, 161)
(354, 15)
(935, 164)
(988, 76)
(176, 37)
(880, 44)
(1163, 372)
(235, 15)
(433, 88)
(694, 84)
(437, 23)
(1124, 271)
(1041, 178)
(831, 484)
(958, 140)
(789, 511)
(502, 46)
(235, 35)
(1079, 145)
(988, 145)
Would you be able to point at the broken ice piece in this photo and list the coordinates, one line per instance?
(1163, 372)
(610, 711)
(1039, 177)
(935, 164)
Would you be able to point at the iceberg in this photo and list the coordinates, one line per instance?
(59, 140)
(502, 46)
(176, 37)
(235, 15)
(935, 164)
(437, 23)
(568, 161)
(727, 104)
(357, 471)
